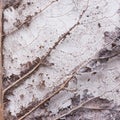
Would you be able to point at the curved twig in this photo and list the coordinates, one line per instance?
(1, 67)
(41, 62)
(57, 89)
(61, 38)
(62, 86)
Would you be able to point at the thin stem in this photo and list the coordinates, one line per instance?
(57, 90)
(75, 108)
(22, 78)
(61, 38)
(1, 72)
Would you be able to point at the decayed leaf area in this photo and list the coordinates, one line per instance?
(89, 104)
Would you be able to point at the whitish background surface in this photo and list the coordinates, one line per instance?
(83, 43)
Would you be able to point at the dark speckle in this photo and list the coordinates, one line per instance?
(97, 7)
(113, 45)
(88, 80)
(99, 25)
(28, 3)
(106, 34)
(94, 73)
